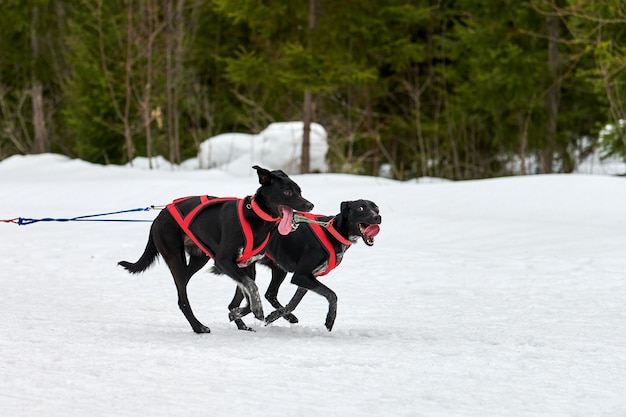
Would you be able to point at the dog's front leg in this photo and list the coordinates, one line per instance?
(247, 285)
(235, 312)
(309, 281)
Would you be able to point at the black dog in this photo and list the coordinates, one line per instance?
(311, 251)
(232, 231)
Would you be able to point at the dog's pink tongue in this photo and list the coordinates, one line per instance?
(284, 228)
(371, 231)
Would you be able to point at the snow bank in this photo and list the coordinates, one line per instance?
(279, 146)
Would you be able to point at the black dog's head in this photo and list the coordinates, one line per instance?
(362, 218)
(281, 196)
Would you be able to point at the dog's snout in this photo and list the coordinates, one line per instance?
(378, 219)
(309, 206)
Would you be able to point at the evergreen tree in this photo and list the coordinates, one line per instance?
(601, 28)
(452, 88)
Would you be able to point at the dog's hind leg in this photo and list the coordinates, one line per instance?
(235, 312)
(172, 250)
(271, 295)
(182, 274)
(195, 264)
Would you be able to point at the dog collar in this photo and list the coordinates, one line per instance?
(259, 212)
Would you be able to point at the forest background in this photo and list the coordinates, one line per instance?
(457, 89)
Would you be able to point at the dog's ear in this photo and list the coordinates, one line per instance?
(345, 208)
(265, 176)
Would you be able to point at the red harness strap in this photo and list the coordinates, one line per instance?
(249, 251)
(325, 241)
(185, 222)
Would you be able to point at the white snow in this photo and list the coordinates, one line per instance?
(501, 297)
(279, 146)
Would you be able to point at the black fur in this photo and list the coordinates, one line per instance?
(218, 227)
(302, 253)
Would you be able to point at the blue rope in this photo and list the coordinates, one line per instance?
(23, 221)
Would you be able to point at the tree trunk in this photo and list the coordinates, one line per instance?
(305, 166)
(40, 144)
(178, 75)
(523, 143)
(147, 107)
(174, 21)
(128, 140)
(169, 75)
(39, 120)
(554, 95)
(416, 91)
(173, 70)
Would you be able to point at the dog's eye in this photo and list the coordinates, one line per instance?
(360, 208)
(288, 193)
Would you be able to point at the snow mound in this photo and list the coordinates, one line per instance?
(279, 146)
(156, 162)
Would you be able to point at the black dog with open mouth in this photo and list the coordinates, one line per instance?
(232, 231)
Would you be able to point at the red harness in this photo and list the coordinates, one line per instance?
(325, 240)
(184, 221)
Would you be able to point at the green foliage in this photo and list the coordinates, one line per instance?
(455, 88)
(613, 140)
(94, 90)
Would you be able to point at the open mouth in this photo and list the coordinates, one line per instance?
(287, 224)
(368, 232)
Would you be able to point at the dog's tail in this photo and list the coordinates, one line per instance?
(149, 256)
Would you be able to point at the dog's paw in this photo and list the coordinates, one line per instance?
(275, 315)
(330, 321)
(242, 326)
(202, 329)
(258, 314)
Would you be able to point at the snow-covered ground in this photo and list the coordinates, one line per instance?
(501, 297)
